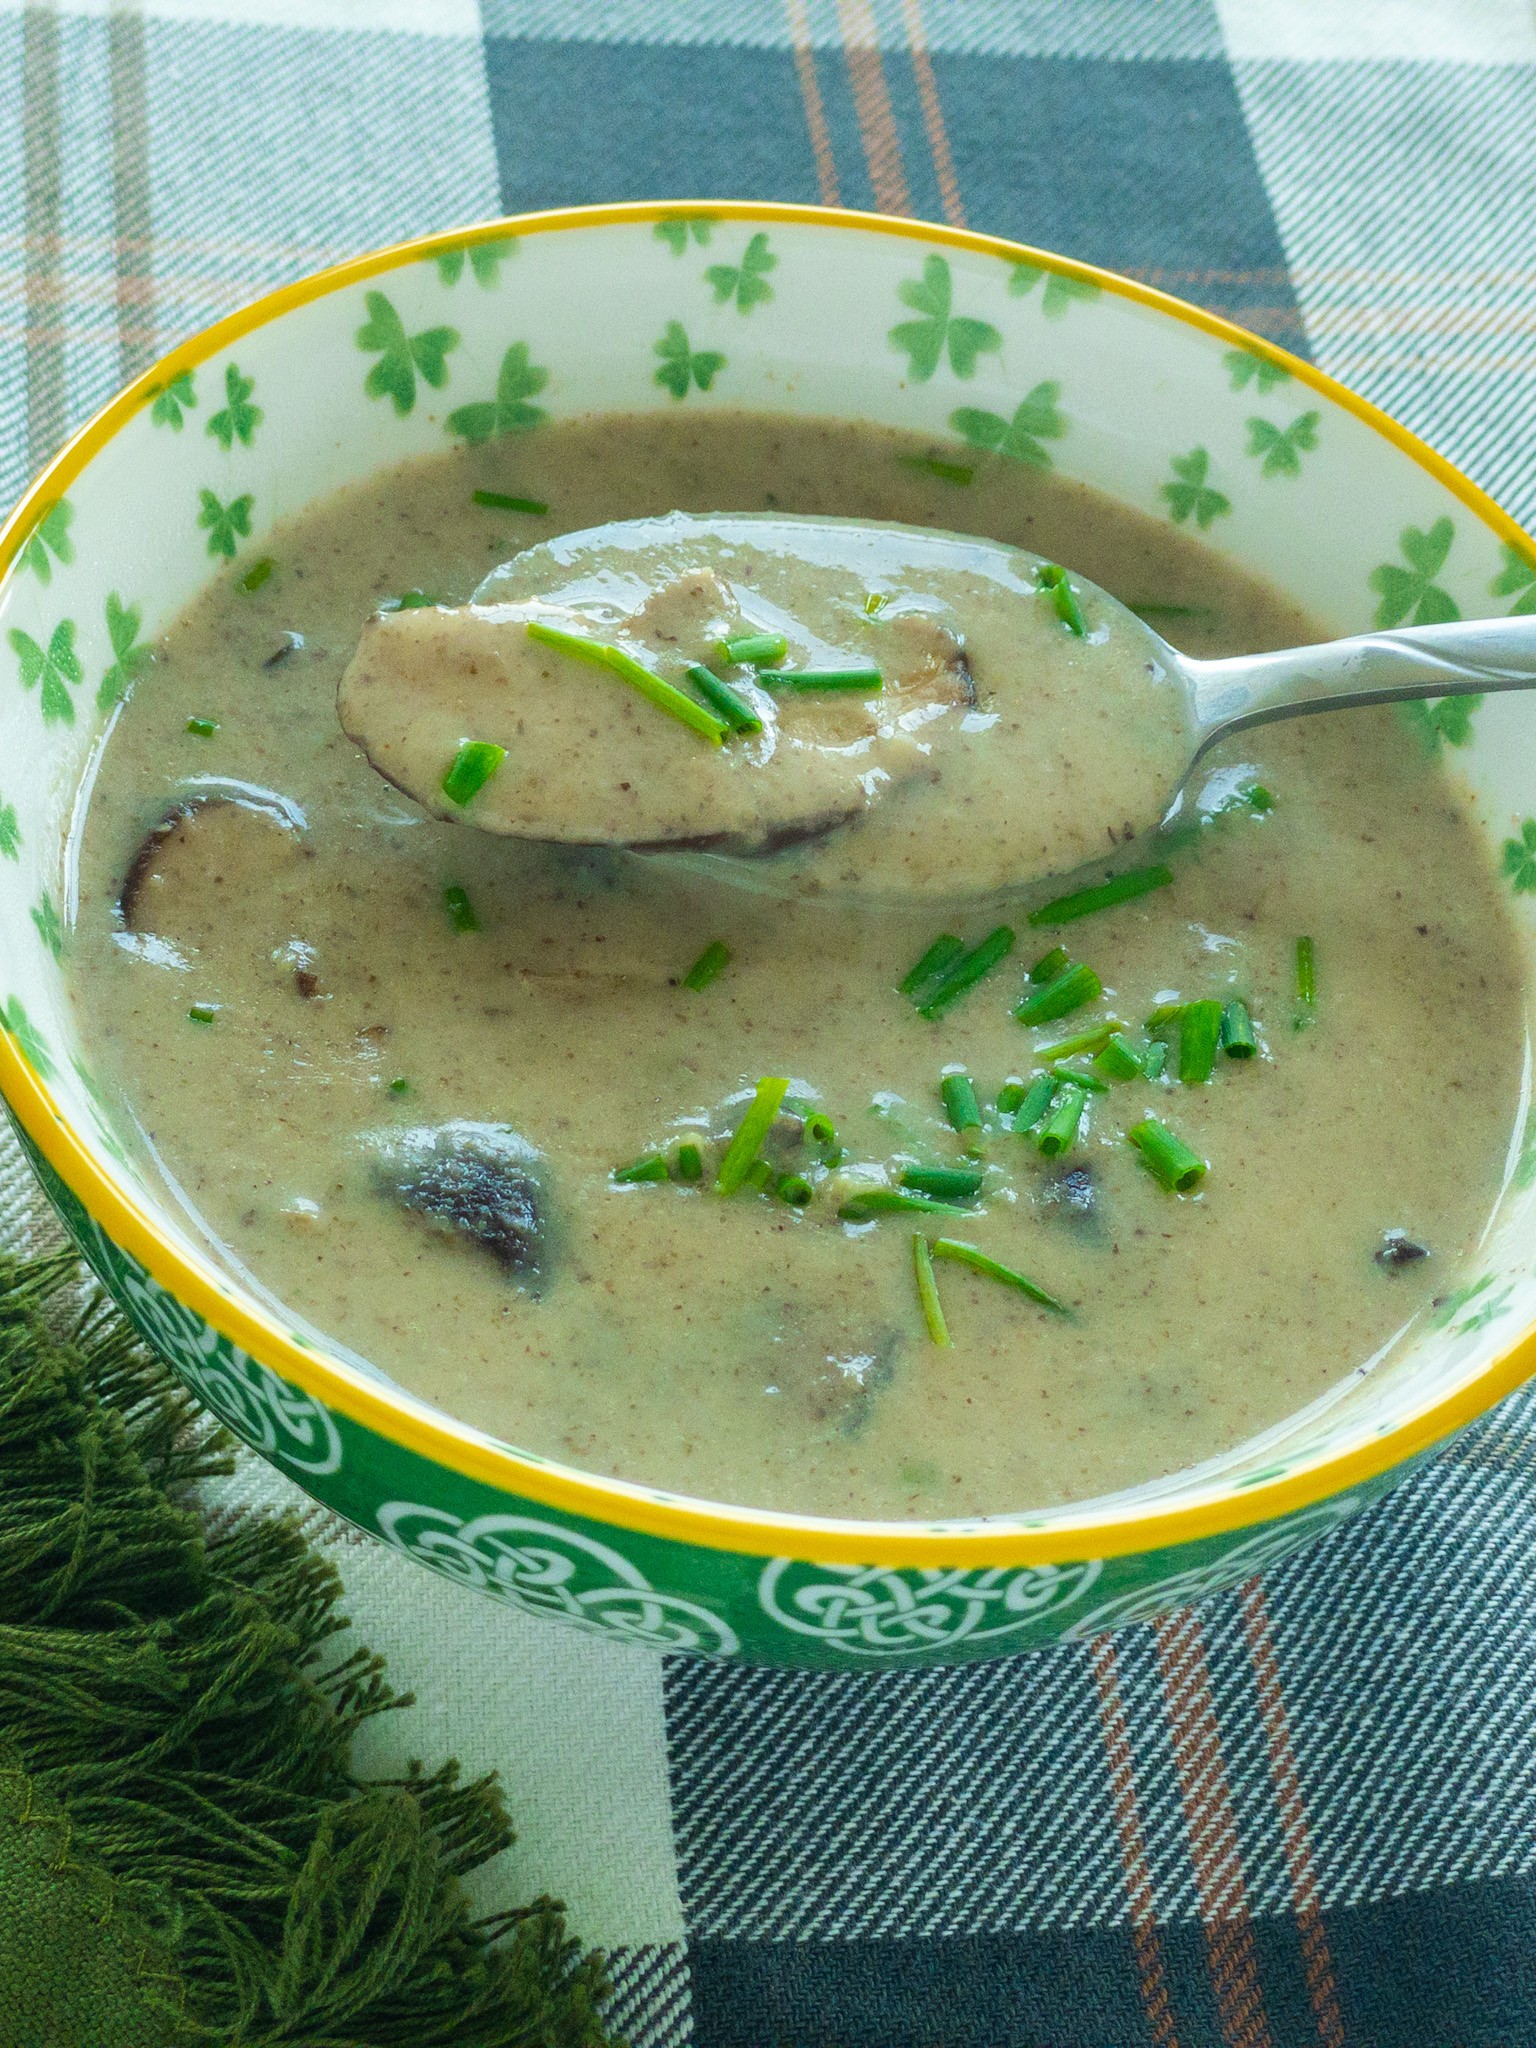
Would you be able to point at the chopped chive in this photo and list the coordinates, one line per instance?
(1199, 1037)
(941, 955)
(205, 728)
(1084, 902)
(794, 1189)
(399, 1085)
(965, 972)
(1164, 1017)
(461, 912)
(1058, 998)
(753, 648)
(933, 465)
(759, 1175)
(1081, 1077)
(662, 694)
(960, 1104)
(875, 603)
(1036, 1102)
(1117, 1059)
(1049, 965)
(1059, 1131)
(968, 1255)
(820, 679)
(872, 1202)
(1085, 1041)
(1306, 984)
(1237, 1039)
(1010, 1095)
(1154, 1059)
(714, 960)
(257, 574)
(945, 1183)
(928, 1290)
(203, 1013)
(1053, 581)
(1260, 799)
(819, 1129)
(471, 769)
(499, 501)
(651, 1167)
(1167, 1157)
(750, 1133)
(735, 710)
(688, 1163)
(412, 601)
(1151, 610)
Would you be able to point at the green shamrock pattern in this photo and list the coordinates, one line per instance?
(1487, 1311)
(30, 1042)
(1060, 290)
(1036, 418)
(1520, 859)
(1278, 450)
(226, 525)
(1245, 368)
(677, 227)
(746, 283)
(129, 658)
(1412, 593)
(49, 927)
(683, 366)
(925, 341)
(517, 382)
(237, 419)
(10, 832)
(173, 401)
(401, 356)
(485, 261)
(50, 537)
(1442, 719)
(1517, 575)
(50, 670)
(1191, 492)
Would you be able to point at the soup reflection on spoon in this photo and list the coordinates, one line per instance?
(837, 705)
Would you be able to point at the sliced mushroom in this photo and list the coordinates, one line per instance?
(475, 1181)
(193, 877)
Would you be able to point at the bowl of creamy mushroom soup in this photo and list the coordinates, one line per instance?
(611, 948)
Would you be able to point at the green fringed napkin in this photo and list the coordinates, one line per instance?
(185, 1853)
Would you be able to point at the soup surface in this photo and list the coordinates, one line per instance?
(391, 1063)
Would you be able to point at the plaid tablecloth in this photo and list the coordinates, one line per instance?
(1275, 1820)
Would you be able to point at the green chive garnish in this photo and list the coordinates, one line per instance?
(714, 959)
(203, 1013)
(1154, 1059)
(257, 574)
(1049, 965)
(1037, 1100)
(759, 1175)
(1010, 1095)
(1306, 984)
(399, 1085)
(964, 973)
(412, 601)
(944, 1183)
(205, 728)
(795, 1189)
(1237, 1039)
(1053, 581)
(941, 955)
(753, 649)
(735, 710)
(741, 1153)
(1260, 799)
(471, 769)
(820, 679)
(1058, 998)
(651, 1167)
(960, 1104)
(817, 1128)
(872, 1202)
(662, 694)
(875, 603)
(1199, 1038)
(1164, 1017)
(968, 1255)
(928, 1290)
(1084, 1041)
(500, 502)
(689, 1163)
(1081, 1077)
(461, 912)
(1117, 1059)
(933, 465)
(1084, 902)
(1167, 1156)
(1059, 1131)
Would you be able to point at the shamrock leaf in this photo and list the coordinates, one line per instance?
(677, 227)
(748, 284)
(1060, 290)
(10, 832)
(1244, 369)
(485, 261)
(29, 1040)
(1487, 1311)
(103, 1108)
(402, 355)
(225, 522)
(1035, 419)
(1520, 859)
(924, 341)
(53, 669)
(1442, 718)
(509, 411)
(237, 419)
(51, 531)
(49, 929)
(682, 366)
(1280, 447)
(123, 622)
(1192, 493)
(1413, 591)
(173, 400)
(1516, 574)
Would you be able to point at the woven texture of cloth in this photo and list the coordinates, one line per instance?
(1281, 1819)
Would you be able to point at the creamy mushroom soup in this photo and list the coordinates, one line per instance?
(768, 1194)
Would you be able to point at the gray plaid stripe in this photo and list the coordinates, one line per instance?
(650, 2006)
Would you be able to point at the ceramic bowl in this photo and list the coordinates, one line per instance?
(979, 343)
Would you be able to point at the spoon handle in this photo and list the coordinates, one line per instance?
(1471, 656)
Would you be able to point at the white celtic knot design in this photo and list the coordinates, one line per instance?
(871, 1611)
(542, 1568)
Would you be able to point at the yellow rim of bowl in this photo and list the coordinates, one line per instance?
(413, 1425)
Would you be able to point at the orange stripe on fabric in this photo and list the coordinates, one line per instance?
(1317, 1962)
(810, 94)
(872, 104)
(933, 114)
(1133, 1847)
(1211, 1827)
